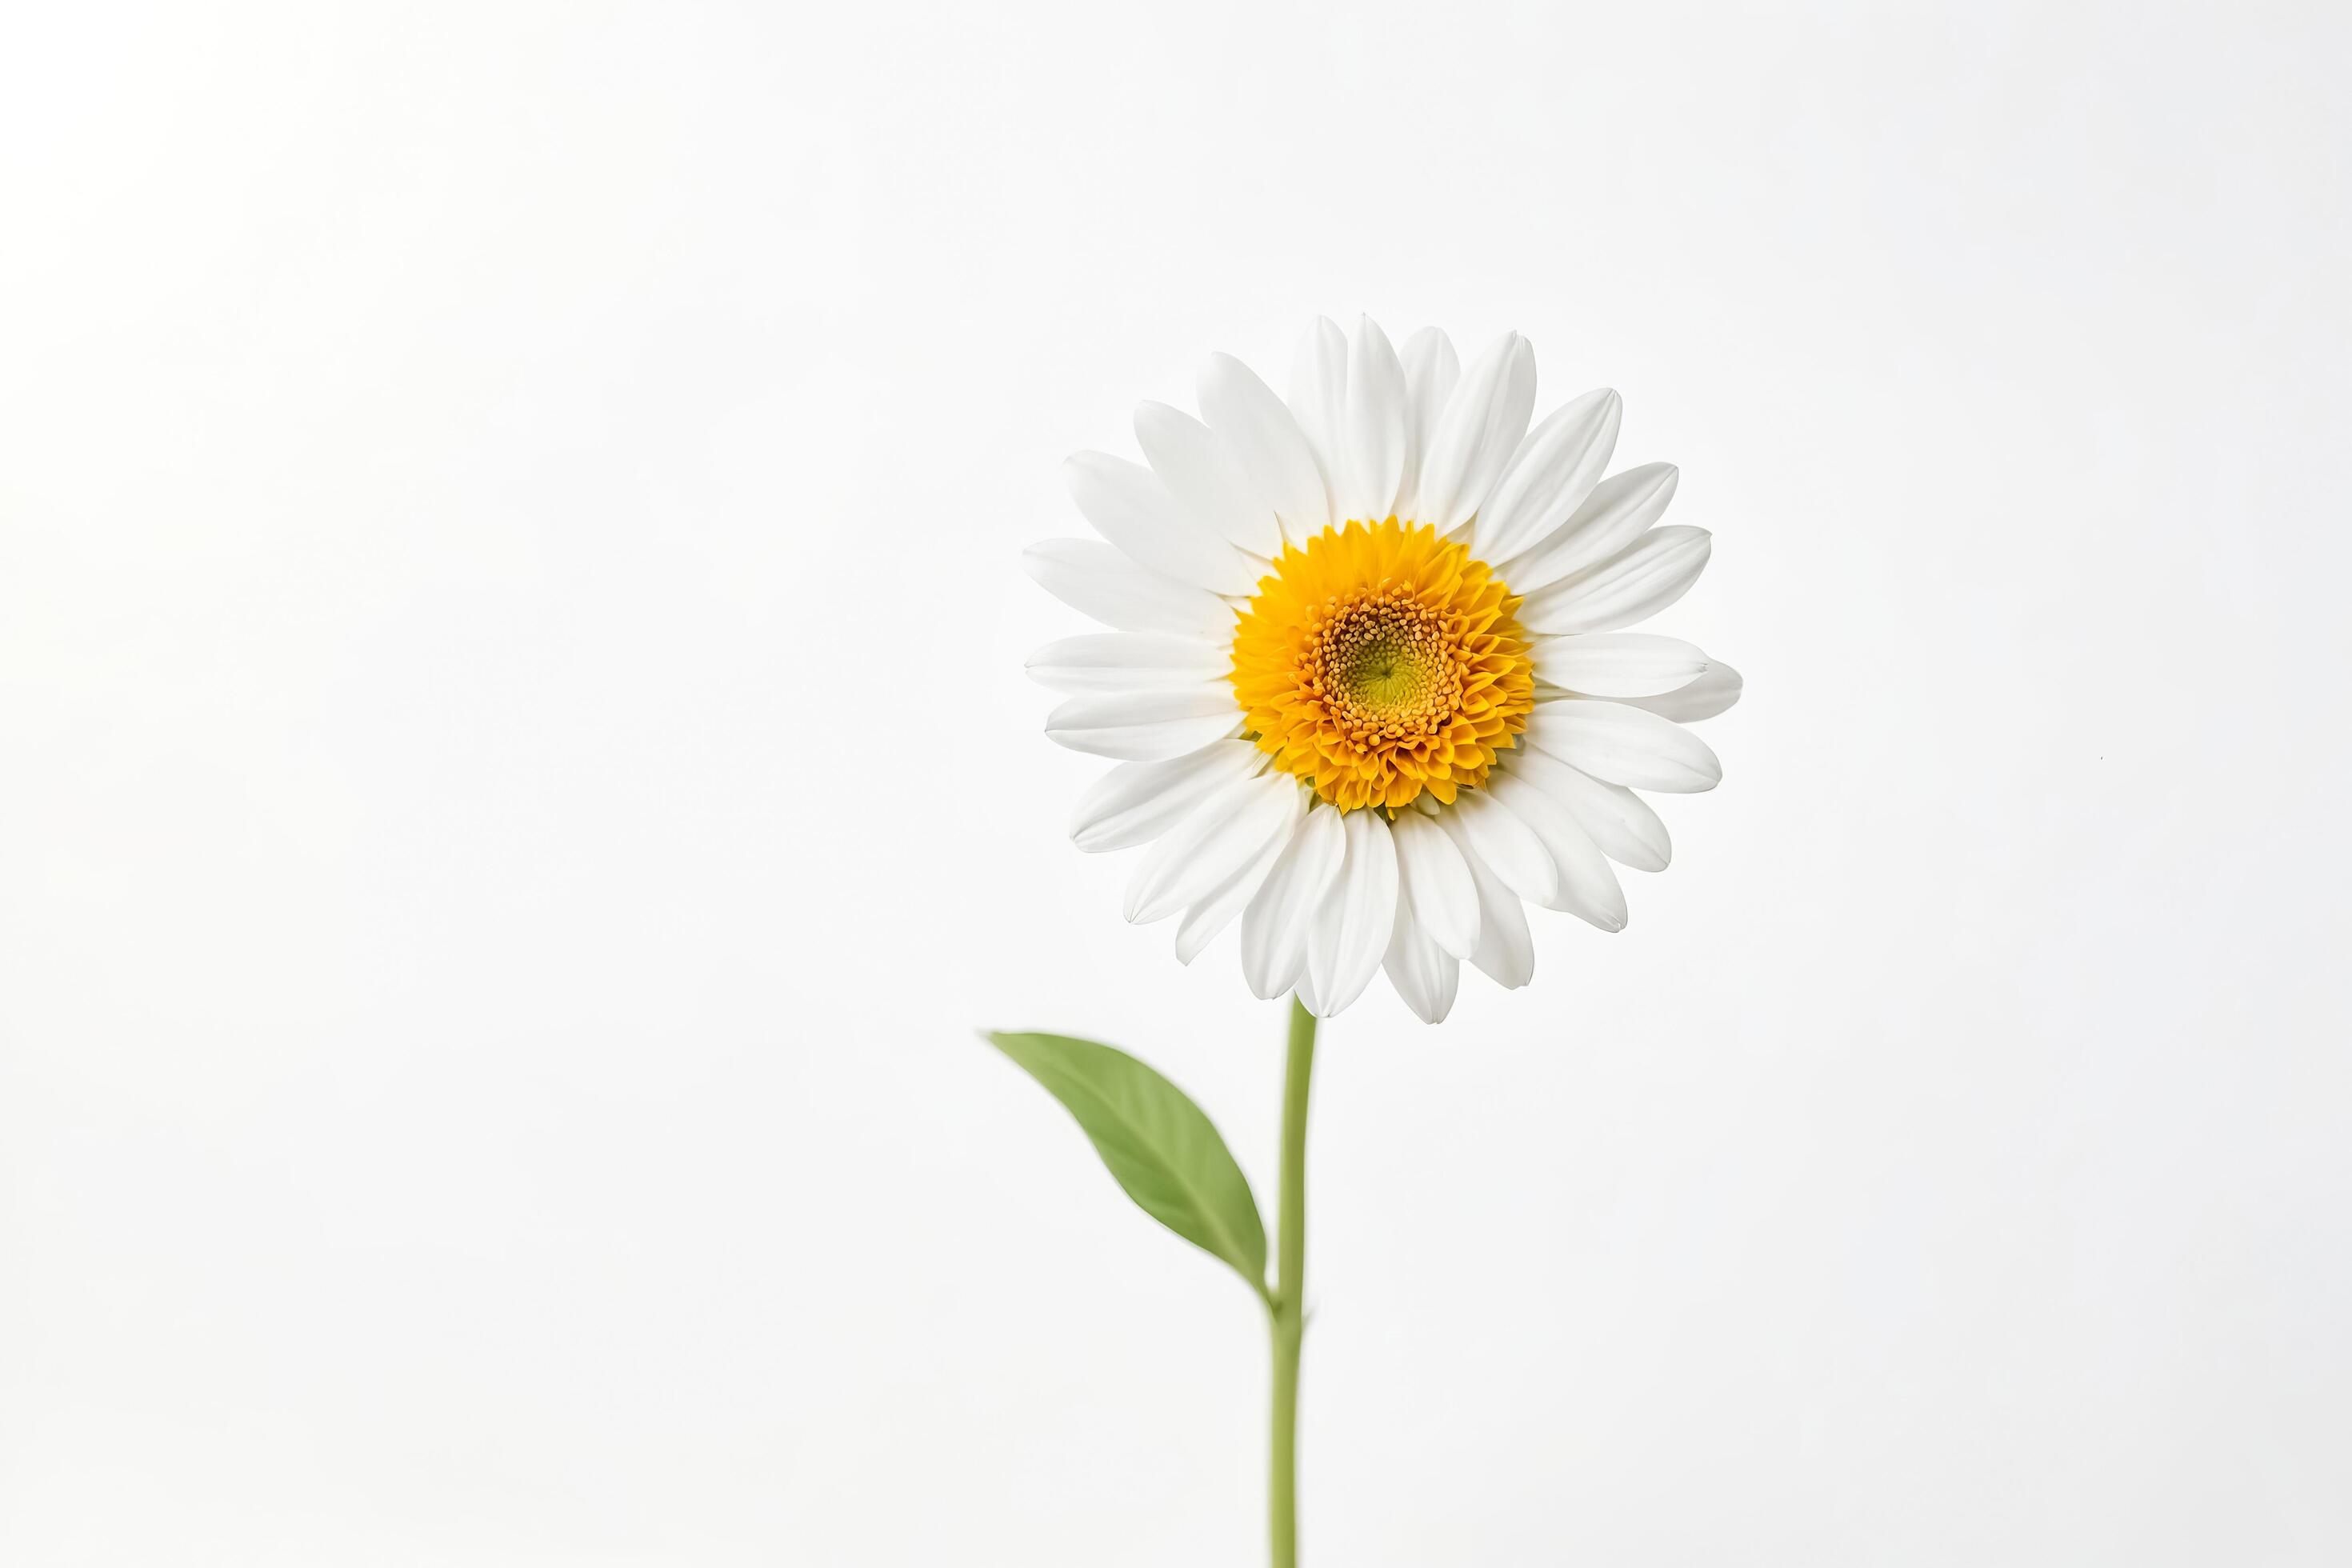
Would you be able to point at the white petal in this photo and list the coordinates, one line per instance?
(1217, 839)
(1631, 585)
(1617, 664)
(1266, 443)
(1549, 477)
(1507, 951)
(1436, 883)
(1431, 369)
(1588, 888)
(1508, 846)
(1307, 992)
(1218, 909)
(1275, 925)
(1130, 506)
(1206, 479)
(1094, 579)
(1615, 818)
(1102, 661)
(1374, 464)
(1624, 744)
(1318, 395)
(1705, 698)
(1480, 429)
(1347, 940)
(1136, 802)
(1145, 725)
(1611, 517)
(1424, 974)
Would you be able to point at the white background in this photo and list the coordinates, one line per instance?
(517, 787)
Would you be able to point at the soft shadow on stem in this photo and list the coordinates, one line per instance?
(1287, 1310)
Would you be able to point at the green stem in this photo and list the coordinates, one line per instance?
(1289, 1307)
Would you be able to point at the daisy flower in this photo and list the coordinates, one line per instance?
(1367, 682)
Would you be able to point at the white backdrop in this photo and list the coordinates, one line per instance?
(519, 785)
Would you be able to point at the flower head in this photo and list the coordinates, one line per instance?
(1367, 683)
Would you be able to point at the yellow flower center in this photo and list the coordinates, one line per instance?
(1380, 661)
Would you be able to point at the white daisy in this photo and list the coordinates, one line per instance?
(1367, 682)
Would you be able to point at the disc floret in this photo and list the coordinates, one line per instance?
(1380, 662)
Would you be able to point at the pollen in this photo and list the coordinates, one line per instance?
(1379, 662)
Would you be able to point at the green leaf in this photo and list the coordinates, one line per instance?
(1162, 1148)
